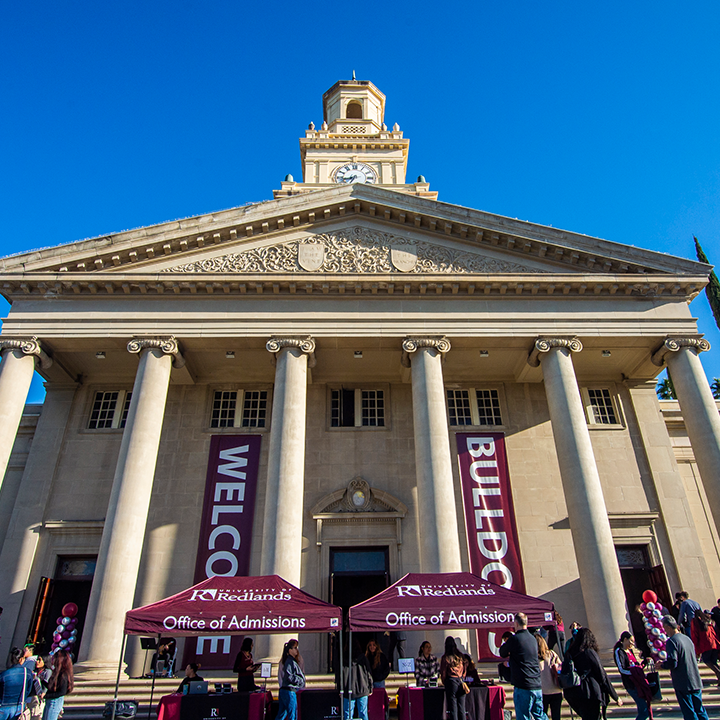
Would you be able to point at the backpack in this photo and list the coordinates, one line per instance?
(568, 676)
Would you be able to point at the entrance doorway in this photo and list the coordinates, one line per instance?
(356, 574)
(71, 583)
(638, 576)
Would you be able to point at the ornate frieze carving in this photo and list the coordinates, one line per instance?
(168, 344)
(29, 346)
(354, 251)
(306, 344)
(412, 344)
(673, 344)
(545, 344)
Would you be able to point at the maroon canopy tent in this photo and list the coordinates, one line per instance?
(447, 601)
(235, 606)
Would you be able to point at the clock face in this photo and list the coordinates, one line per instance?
(355, 173)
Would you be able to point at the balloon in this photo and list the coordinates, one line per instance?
(662, 655)
(657, 614)
(654, 631)
(57, 637)
(66, 635)
(59, 620)
(663, 637)
(651, 605)
(73, 621)
(63, 643)
(73, 632)
(70, 609)
(65, 621)
(59, 628)
(648, 596)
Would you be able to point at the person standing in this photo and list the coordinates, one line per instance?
(361, 687)
(452, 672)
(556, 636)
(630, 668)
(549, 664)
(15, 686)
(715, 614)
(683, 667)
(522, 650)
(245, 667)
(427, 666)
(688, 608)
(293, 679)
(60, 684)
(592, 697)
(706, 641)
(379, 665)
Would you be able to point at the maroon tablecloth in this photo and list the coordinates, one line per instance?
(169, 706)
(411, 702)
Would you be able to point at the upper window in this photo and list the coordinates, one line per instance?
(110, 409)
(239, 408)
(601, 406)
(354, 111)
(474, 407)
(357, 407)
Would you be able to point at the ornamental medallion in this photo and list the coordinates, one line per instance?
(311, 256)
(404, 257)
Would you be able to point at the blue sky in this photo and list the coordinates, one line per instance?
(596, 118)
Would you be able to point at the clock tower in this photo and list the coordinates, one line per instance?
(353, 145)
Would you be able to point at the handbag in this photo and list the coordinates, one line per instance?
(653, 679)
(465, 688)
(125, 709)
(568, 676)
(504, 672)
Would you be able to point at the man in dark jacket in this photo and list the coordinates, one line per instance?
(683, 667)
(361, 686)
(522, 650)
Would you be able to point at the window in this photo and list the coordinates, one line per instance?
(357, 407)
(110, 409)
(354, 111)
(473, 407)
(225, 413)
(600, 406)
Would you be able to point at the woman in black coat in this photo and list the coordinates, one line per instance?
(592, 696)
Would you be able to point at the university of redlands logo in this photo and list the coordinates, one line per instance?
(204, 594)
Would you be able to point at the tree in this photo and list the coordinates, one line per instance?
(665, 389)
(712, 289)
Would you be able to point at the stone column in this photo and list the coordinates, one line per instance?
(600, 579)
(437, 513)
(285, 487)
(19, 356)
(118, 562)
(699, 409)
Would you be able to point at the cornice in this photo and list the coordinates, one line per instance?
(478, 286)
(138, 249)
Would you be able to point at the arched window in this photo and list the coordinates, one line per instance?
(354, 111)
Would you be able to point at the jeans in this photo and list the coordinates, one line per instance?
(349, 708)
(528, 704)
(454, 698)
(643, 712)
(691, 705)
(8, 712)
(379, 683)
(287, 705)
(53, 708)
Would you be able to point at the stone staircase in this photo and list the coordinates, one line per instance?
(89, 698)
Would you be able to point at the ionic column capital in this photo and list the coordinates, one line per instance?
(28, 346)
(168, 344)
(545, 344)
(305, 344)
(674, 344)
(413, 343)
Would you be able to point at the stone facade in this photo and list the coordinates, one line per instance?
(350, 292)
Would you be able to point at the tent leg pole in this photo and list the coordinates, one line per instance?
(350, 644)
(117, 681)
(152, 687)
(340, 670)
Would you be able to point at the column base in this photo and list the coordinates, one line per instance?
(98, 670)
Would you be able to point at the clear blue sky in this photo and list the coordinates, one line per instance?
(596, 118)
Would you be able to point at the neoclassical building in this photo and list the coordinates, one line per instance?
(340, 385)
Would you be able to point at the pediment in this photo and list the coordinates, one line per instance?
(358, 250)
(358, 497)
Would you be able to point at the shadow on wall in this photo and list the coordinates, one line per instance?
(568, 601)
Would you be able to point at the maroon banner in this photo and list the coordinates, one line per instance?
(225, 533)
(489, 520)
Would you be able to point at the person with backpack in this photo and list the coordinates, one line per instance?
(591, 696)
(552, 696)
(522, 650)
(361, 687)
